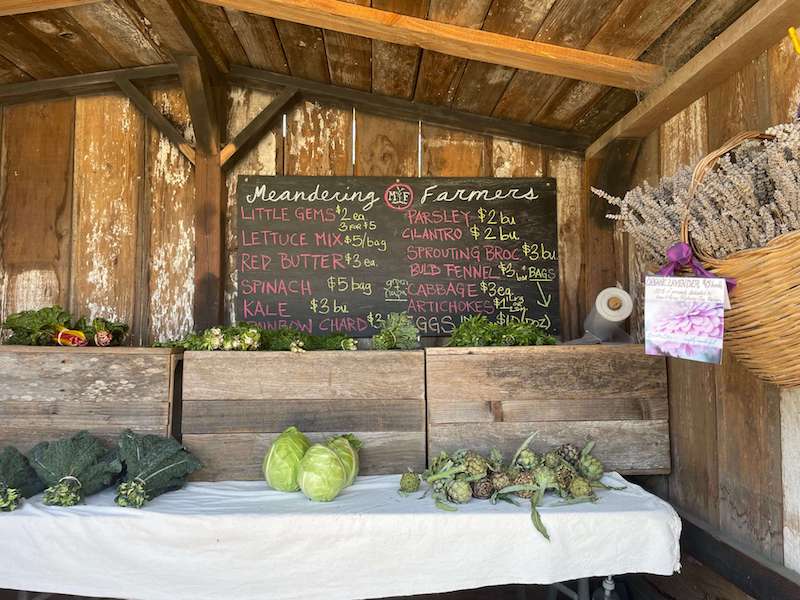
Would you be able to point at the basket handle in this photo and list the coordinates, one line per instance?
(706, 165)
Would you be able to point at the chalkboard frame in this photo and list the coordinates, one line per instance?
(294, 193)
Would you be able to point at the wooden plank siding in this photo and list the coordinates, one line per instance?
(734, 438)
(56, 392)
(487, 397)
(232, 411)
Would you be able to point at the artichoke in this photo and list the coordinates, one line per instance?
(569, 453)
(459, 491)
(475, 466)
(500, 480)
(565, 473)
(545, 478)
(580, 488)
(552, 459)
(527, 459)
(525, 478)
(482, 489)
(591, 468)
(409, 482)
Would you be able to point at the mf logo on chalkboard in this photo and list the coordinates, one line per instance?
(337, 254)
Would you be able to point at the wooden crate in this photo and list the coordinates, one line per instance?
(616, 395)
(236, 403)
(51, 392)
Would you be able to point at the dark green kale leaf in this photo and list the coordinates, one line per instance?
(17, 479)
(74, 468)
(153, 465)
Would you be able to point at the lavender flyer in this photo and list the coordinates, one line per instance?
(684, 317)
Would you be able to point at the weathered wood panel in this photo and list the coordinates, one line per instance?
(385, 147)
(118, 33)
(496, 396)
(629, 447)
(235, 404)
(254, 416)
(109, 142)
(169, 224)
(790, 458)
(35, 205)
(483, 84)
(747, 410)
(304, 48)
(265, 158)
(394, 67)
(383, 453)
(61, 33)
(739, 104)
(307, 376)
(749, 444)
(784, 82)
(440, 74)
(568, 171)
(260, 40)
(516, 159)
(318, 140)
(449, 153)
(349, 57)
(53, 392)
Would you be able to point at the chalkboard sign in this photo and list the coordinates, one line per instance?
(336, 254)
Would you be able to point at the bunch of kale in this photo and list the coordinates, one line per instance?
(17, 479)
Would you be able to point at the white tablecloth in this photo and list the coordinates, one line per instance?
(240, 540)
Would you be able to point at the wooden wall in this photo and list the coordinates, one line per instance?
(729, 430)
(96, 206)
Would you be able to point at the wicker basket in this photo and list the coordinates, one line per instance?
(763, 325)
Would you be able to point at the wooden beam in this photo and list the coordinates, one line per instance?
(78, 84)
(250, 135)
(203, 99)
(156, 118)
(204, 42)
(749, 571)
(210, 198)
(758, 29)
(473, 44)
(17, 7)
(398, 108)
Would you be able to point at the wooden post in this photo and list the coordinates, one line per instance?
(205, 91)
(611, 171)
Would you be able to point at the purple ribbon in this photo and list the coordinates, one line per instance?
(680, 255)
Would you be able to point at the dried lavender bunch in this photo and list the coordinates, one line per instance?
(751, 197)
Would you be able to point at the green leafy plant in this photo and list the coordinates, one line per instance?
(74, 468)
(321, 474)
(55, 326)
(244, 337)
(397, 332)
(36, 327)
(18, 480)
(479, 331)
(153, 465)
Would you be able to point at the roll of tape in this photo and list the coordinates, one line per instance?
(614, 304)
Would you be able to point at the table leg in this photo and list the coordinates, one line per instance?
(583, 589)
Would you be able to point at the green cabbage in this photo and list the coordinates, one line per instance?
(346, 448)
(284, 456)
(322, 474)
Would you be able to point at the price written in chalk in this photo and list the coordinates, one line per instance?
(325, 306)
(349, 284)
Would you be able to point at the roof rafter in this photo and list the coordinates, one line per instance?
(756, 30)
(473, 44)
(398, 108)
(17, 7)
